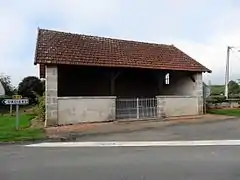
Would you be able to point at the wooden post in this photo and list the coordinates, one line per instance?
(137, 108)
(113, 78)
(10, 110)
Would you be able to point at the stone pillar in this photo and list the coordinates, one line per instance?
(199, 92)
(160, 107)
(51, 95)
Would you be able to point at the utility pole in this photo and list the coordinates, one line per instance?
(227, 72)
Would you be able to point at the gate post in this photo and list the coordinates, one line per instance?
(137, 108)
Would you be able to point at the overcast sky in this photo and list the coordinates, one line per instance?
(201, 28)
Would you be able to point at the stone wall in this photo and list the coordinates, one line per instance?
(51, 95)
(221, 105)
(73, 110)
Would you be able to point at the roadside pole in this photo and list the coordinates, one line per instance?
(11, 109)
(17, 117)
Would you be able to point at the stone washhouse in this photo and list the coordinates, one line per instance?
(94, 79)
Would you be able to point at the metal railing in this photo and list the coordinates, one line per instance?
(136, 108)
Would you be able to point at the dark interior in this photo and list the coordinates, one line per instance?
(106, 81)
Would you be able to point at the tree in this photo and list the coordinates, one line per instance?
(7, 85)
(234, 87)
(30, 86)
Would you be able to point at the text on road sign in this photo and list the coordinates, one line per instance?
(15, 101)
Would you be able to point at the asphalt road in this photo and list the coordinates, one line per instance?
(152, 163)
(222, 130)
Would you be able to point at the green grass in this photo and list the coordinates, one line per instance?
(228, 112)
(8, 132)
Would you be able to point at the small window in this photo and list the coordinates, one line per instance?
(167, 79)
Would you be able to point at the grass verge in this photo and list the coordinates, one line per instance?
(228, 112)
(8, 133)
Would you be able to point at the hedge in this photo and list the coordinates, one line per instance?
(40, 108)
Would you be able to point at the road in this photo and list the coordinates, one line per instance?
(122, 163)
(229, 129)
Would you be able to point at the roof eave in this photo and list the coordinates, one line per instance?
(207, 70)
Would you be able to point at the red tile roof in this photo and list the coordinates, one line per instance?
(54, 47)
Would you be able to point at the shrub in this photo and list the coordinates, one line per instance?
(216, 99)
(4, 108)
(40, 108)
(234, 96)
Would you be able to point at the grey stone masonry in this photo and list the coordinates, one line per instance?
(160, 107)
(51, 96)
(199, 92)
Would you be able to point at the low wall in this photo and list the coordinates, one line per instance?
(73, 110)
(221, 105)
(170, 106)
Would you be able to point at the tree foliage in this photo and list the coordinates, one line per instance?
(233, 87)
(7, 84)
(30, 86)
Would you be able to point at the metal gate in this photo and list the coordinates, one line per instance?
(136, 108)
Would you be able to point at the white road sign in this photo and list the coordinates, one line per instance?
(16, 101)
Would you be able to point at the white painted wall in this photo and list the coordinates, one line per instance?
(72, 110)
(2, 90)
(181, 84)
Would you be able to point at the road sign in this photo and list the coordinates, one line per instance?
(17, 97)
(15, 101)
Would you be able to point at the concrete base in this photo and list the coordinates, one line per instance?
(72, 110)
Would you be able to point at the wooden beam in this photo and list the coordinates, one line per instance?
(113, 78)
(191, 75)
(192, 78)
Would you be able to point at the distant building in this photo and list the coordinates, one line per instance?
(2, 90)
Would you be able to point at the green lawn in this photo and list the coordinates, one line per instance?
(229, 112)
(8, 133)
